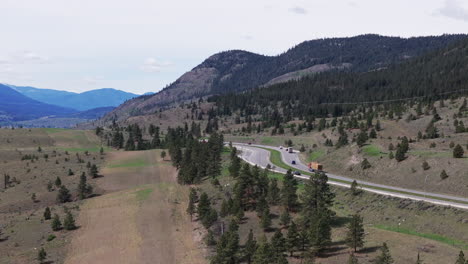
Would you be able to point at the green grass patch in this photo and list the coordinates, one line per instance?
(435, 237)
(54, 130)
(315, 155)
(267, 141)
(130, 164)
(142, 195)
(372, 150)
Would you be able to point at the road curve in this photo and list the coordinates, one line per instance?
(260, 156)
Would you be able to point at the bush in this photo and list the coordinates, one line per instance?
(365, 164)
(443, 175)
(51, 237)
(425, 165)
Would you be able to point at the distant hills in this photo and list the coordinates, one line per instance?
(238, 71)
(34, 107)
(15, 106)
(80, 101)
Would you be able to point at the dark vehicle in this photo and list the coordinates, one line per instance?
(297, 173)
(250, 143)
(293, 162)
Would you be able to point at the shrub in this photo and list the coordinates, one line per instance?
(443, 175)
(51, 237)
(425, 165)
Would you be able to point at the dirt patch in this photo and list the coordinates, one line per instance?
(142, 220)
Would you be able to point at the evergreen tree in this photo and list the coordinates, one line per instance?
(224, 211)
(69, 221)
(273, 192)
(443, 175)
(461, 258)
(84, 189)
(288, 193)
(264, 253)
(385, 257)
(41, 255)
(458, 151)
(58, 181)
(365, 164)
(354, 188)
(163, 155)
(250, 247)
(93, 171)
(285, 218)
(400, 154)
(47, 214)
(56, 223)
(63, 195)
(292, 239)
(355, 234)
(265, 220)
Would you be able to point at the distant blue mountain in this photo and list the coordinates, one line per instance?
(15, 106)
(105, 97)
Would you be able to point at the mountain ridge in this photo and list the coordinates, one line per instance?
(103, 97)
(237, 70)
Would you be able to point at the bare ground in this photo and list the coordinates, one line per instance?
(142, 220)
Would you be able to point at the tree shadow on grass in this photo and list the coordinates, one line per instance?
(340, 221)
(369, 249)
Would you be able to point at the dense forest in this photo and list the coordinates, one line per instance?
(427, 78)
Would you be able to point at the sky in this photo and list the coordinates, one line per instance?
(143, 45)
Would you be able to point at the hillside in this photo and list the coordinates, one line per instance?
(236, 70)
(16, 107)
(80, 101)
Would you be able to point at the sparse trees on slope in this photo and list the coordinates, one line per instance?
(63, 195)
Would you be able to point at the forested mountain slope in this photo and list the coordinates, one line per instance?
(235, 71)
(431, 76)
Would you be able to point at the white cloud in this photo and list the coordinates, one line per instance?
(153, 65)
(453, 9)
(298, 10)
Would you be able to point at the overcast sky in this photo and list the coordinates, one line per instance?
(143, 45)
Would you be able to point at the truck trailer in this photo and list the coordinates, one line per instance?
(315, 166)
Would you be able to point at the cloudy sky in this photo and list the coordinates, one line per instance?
(143, 45)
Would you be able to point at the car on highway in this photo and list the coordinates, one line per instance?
(293, 162)
(297, 173)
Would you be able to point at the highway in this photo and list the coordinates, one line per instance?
(260, 155)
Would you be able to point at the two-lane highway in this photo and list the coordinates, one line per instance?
(260, 156)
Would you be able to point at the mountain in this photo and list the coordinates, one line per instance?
(80, 101)
(237, 70)
(92, 114)
(15, 106)
(438, 74)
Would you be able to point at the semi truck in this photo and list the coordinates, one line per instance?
(315, 166)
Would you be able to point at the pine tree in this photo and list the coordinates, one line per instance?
(56, 224)
(47, 213)
(70, 172)
(288, 193)
(93, 171)
(365, 164)
(355, 234)
(41, 255)
(265, 220)
(63, 195)
(385, 257)
(443, 175)
(273, 192)
(250, 247)
(292, 239)
(163, 155)
(58, 181)
(285, 218)
(400, 154)
(83, 188)
(458, 151)
(461, 258)
(69, 221)
(278, 244)
(264, 253)
(354, 188)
